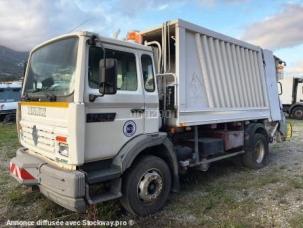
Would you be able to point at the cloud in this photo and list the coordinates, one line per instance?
(134, 7)
(163, 7)
(296, 69)
(285, 29)
(211, 3)
(24, 24)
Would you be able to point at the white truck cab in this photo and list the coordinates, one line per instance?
(291, 95)
(102, 119)
(9, 97)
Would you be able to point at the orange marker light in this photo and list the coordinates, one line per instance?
(135, 36)
(61, 139)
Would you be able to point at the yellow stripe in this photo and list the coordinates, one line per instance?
(45, 104)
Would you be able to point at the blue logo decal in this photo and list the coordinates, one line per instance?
(129, 128)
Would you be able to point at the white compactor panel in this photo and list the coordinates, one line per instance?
(218, 78)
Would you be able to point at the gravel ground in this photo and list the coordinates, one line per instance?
(226, 196)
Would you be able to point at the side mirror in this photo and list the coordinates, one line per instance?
(108, 76)
(282, 62)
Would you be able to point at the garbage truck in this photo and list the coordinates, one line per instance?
(103, 119)
(291, 95)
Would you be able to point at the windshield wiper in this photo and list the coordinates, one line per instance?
(36, 90)
(47, 95)
(51, 96)
(25, 97)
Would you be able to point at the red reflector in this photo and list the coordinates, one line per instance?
(20, 173)
(11, 167)
(25, 175)
(61, 139)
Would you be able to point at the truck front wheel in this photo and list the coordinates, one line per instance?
(146, 186)
(257, 152)
(297, 113)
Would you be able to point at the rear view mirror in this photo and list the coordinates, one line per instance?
(108, 76)
(47, 83)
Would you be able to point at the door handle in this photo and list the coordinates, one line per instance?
(137, 110)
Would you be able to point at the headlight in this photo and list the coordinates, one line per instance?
(63, 149)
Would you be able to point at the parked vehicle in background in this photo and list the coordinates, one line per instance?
(291, 95)
(9, 97)
(102, 119)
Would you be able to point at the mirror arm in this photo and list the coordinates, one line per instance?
(93, 97)
(92, 40)
(281, 88)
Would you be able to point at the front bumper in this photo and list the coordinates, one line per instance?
(66, 188)
(7, 112)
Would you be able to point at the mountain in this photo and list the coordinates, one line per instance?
(11, 63)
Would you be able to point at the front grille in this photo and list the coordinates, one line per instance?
(38, 137)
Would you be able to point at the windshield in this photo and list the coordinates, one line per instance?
(51, 69)
(9, 94)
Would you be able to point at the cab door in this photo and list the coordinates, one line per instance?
(151, 99)
(299, 97)
(112, 120)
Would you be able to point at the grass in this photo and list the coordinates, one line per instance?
(8, 140)
(225, 196)
(18, 202)
(297, 221)
(296, 183)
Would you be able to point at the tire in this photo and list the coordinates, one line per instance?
(297, 113)
(9, 118)
(149, 175)
(257, 152)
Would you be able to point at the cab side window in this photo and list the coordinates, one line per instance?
(126, 73)
(148, 73)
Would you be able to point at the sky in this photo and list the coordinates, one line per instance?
(271, 24)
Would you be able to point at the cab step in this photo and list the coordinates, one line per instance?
(98, 176)
(113, 192)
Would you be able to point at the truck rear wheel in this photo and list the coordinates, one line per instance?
(146, 186)
(297, 113)
(256, 154)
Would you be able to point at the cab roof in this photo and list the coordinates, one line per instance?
(107, 40)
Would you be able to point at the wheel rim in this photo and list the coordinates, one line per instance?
(260, 152)
(150, 186)
(299, 114)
